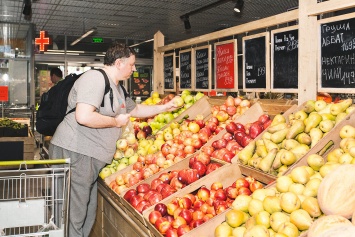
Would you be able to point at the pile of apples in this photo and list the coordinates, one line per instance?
(191, 210)
(286, 141)
(146, 195)
(231, 109)
(235, 138)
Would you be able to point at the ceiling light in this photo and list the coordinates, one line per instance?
(238, 6)
(83, 36)
(186, 20)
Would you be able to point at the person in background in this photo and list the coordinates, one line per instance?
(88, 136)
(56, 75)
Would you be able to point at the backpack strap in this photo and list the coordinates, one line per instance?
(124, 91)
(107, 89)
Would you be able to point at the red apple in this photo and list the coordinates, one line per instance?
(231, 127)
(229, 101)
(188, 176)
(135, 199)
(203, 157)
(171, 233)
(218, 129)
(220, 195)
(255, 129)
(162, 224)
(216, 185)
(228, 156)
(255, 185)
(147, 129)
(196, 223)
(200, 167)
(189, 149)
(200, 123)
(162, 208)
(186, 214)
(171, 207)
(185, 203)
(203, 193)
(148, 194)
(183, 229)
(211, 167)
(143, 188)
(237, 101)
(264, 118)
(191, 197)
(222, 116)
(207, 149)
(154, 216)
(176, 184)
(197, 143)
(231, 192)
(231, 110)
(178, 221)
(131, 192)
(228, 136)
(233, 146)
(165, 177)
(244, 191)
(212, 126)
(246, 140)
(142, 205)
(155, 182)
(141, 134)
(197, 204)
(155, 198)
(267, 124)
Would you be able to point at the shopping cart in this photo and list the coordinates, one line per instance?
(34, 202)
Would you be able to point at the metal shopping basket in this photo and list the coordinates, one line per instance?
(34, 202)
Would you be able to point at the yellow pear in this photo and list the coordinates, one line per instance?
(283, 183)
(279, 136)
(345, 158)
(277, 219)
(270, 145)
(300, 175)
(340, 117)
(335, 154)
(288, 144)
(309, 106)
(315, 161)
(261, 150)
(266, 135)
(256, 230)
(271, 204)
(310, 205)
(301, 219)
(282, 170)
(328, 116)
(255, 206)
(304, 138)
(327, 168)
(288, 158)
(319, 105)
(316, 134)
(300, 150)
(347, 131)
(326, 125)
(276, 127)
(266, 163)
(350, 109)
(289, 202)
(263, 218)
(278, 118)
(340, 107)
(246, 154)
(326, 109)
(313, 121)
(277, 161)
(296, 188)
(301, 115)
(296, 128)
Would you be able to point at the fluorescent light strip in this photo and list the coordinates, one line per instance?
(83, 36)
(141, 43)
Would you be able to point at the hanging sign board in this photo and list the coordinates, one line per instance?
(203, 68)
(256, 63)
(336, 54)
(226, 69)
(185, 65)
(169, 72)
(284, 60)
(4, 93)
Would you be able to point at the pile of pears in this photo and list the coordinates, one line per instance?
(289, 138)
(289, 206)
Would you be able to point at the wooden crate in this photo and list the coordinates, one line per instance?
(273, 107)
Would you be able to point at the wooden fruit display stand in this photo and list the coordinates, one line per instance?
(114, 218)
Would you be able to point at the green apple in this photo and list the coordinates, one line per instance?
(168, 130)
(122, 144)
(142, 151)
(159, 143)
(199, 95)
(133, 159)
(129, 152)
(174, 125)
(143, 143)
(188, 105)
(155, 94)
(105, 172)
(160, 118)
(118, 154)
(178, 101)
(168, 117)
(142, 125)
(124, 160)
(121, 166)
(188, 99)
(168, 136)
(156, 100)
(153, 149)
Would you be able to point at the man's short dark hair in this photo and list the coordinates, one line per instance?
(56, 71)
(117, 50)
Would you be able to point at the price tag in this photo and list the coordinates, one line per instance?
(4, 93)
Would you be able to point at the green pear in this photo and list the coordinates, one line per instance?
(316, 134)
(300, 150)
(326, 109)
(340, 117)
(309, 106)
(288, 158)
(246, 154)
(319, 105)
(301, 115)
(255, 161)
(261, 150)
(278, 118)
(313, 121)
(279, 136)
(296, 128)
(277, 127)
(277, 161)
(288, 144)
(266, 163)
(270, 145)
(340, 107)
(304, 138)
(326, 125)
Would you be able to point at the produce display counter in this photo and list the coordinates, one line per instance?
(112, 218)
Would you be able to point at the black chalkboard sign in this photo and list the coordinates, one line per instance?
(203, 68)
(256, 53)
(169, 72)
(337, 56)
(285, 59)
(185, 58)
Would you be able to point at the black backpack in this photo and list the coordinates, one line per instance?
(54, 102)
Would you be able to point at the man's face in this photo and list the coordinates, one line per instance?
(127, 66)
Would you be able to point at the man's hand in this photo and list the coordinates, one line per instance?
(122, 119)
